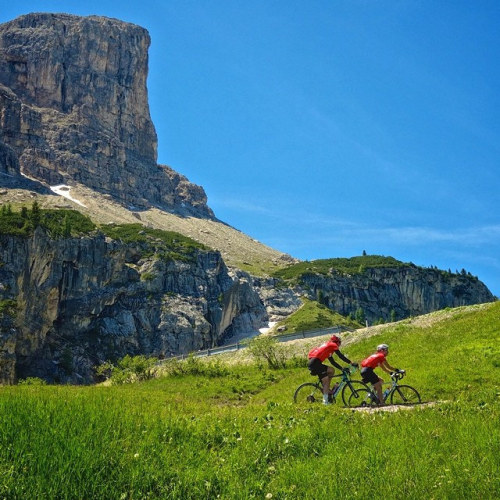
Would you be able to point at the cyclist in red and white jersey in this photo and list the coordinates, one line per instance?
(324, 372)
(372, 362)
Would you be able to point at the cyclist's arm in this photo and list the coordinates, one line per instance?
(387, 367)
(334, 363)
(343, 358)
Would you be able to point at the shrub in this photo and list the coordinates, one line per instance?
(32, 381)
(129, 369)
(196, 366)
(166, 245)
(267, 348)
(57, 223)
(8, 306)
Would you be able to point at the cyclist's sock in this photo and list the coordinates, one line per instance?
(325, 398)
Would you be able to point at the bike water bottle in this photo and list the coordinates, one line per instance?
(386, 392)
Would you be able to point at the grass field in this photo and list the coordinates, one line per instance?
(237, 435)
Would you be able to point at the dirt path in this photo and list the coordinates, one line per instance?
(392, 408)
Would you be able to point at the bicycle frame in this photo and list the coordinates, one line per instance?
(394, 383)
(388, 394)
(346, 379)
(352, 392)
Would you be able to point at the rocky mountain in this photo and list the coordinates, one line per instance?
(74, 109)
(75, 302)
(395, 292)
(76, 291)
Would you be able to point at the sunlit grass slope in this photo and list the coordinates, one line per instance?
(312, 316)
(236, 434)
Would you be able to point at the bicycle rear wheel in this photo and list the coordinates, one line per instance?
(405, 395)
(356, 394)
(308, 393)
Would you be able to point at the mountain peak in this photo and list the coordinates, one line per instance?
(74, 103)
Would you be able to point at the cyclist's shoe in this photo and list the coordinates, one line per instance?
(326, 402)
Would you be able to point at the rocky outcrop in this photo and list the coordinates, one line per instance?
(399, 292)
(72, 303)
(74, 108)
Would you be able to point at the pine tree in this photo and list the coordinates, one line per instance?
(36, 215)
(66, 232)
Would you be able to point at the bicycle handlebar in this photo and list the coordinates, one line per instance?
(398, 374)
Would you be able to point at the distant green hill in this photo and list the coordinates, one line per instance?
(312, 316)
(353, 265)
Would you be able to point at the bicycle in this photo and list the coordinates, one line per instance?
(354, 392)
(397, 394)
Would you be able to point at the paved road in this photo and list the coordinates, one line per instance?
(285, 337)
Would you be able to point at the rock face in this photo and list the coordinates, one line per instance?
(70, 304)
(74, 108)
(400, 292)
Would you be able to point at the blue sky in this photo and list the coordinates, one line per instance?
(325, 128)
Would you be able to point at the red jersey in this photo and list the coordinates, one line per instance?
(374, 360)
(324, 351)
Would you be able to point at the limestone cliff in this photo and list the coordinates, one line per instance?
(74, 108)
(72, 303)
(391, 292)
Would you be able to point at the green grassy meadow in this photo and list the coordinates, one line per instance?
(237, 435)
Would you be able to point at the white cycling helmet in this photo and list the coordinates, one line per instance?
(382, 347)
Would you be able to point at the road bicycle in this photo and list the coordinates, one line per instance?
(354, 392)
(397, 394)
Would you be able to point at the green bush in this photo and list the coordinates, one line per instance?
(8, 306)
(57, 223)
(267, 349)
(32, 381)
(196, 366)
(129, 369)
(165, 245)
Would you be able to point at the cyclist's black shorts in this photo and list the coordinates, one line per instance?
(368, 375)
(316, 367)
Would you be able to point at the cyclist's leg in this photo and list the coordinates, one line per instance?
(378, 390)
(326, 379)
(324, 373)
(370, 377)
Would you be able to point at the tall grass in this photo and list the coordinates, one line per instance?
(239, 436)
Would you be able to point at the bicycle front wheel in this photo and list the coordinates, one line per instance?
(356, 394)
(405, 395)
(308, 393)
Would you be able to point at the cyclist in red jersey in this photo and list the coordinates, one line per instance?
(372, 362)
(325, 373)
